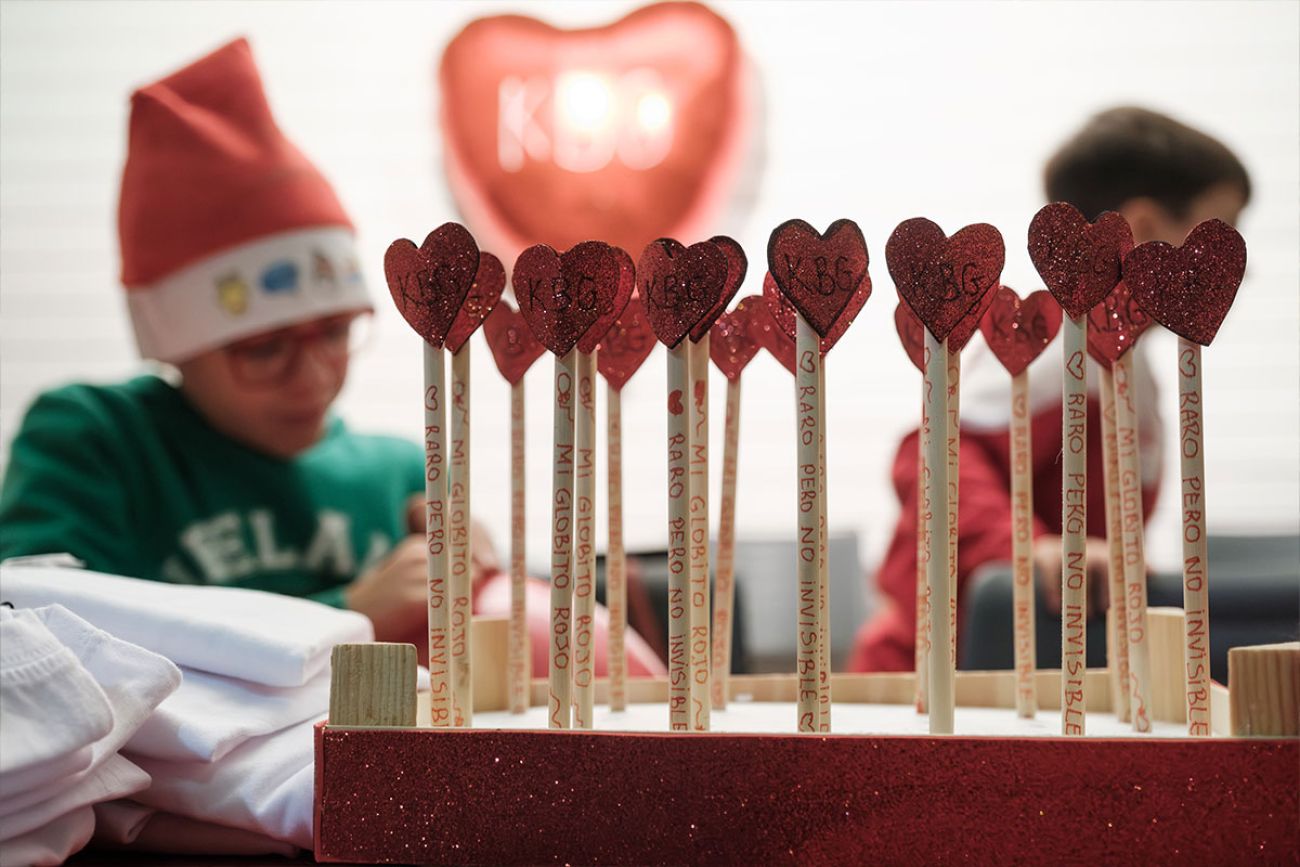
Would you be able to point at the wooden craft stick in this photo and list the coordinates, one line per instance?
(700, 642)
(615, 556)
(1118, 632)
(462, 691)
(584, 545)
(1022, 546)
(942, 698)
(954, 468)
(1135, 566)
(1074, 526)
(922, 565)
(808, 603)
(560, 672)
(1196, 567)
(725, 590)
(435, 533)
(823, 573)
(519, 665)
(679, 570)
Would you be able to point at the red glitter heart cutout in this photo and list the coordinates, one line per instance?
(783, 312)
(680, 285)
(482, 298)
(941, 278)
(731, 344)
(1189, 289)
(429, 283)
(1078, 261)
(514, 348)
(767, 332)
(611, 306)
(559, 295)
(911, 333)
(737, 266)
(819, 273)
(1019, 330)
(1114, 325)
(964, 330)
(626, 346)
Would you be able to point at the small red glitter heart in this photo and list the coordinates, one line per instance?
(626, 346)
(1078, 261)
(559, 295)
(767, 332)
(911, 333)
(611, 306)
(482, 298)
(737, 265)
(783, 312)
(429, 283)
(964, 330)
(514, 348)
(680, 285)
(731, 343)
(819, 273)
(1189, 289)
(1114, 325)
(941, 278)
(1019, 330)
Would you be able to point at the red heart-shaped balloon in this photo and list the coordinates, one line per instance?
(737, 265)
(680, 285)
(911, 333)
(783, 312)
(1019, 330)
(429, 283)
(611, 306)
(767, 331)
(819, 273)
(559, 295)
(1114, 325)
(1189, 289)
(514, 348)
(626, 346)
(482, 298)
(942, 279)
(731, 343)
(1078, 261)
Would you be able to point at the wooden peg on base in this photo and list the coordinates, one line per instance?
(372, 685)
(1264, 690)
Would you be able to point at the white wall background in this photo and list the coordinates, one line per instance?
(875, 111)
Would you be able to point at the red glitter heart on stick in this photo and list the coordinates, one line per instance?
(1078, 261)
(559, 295)
(911, 333)
(1019, 330)
(1189, 289)
(514, 348)
(737, 265)
(964, 330)
(626, 346)
(942, 279)
(479, 303)
(680, 285)
(429, 283)
(819, 273)
(1114, 325)
(784, 314)
(767, 332)
(731, 344)
(611, 306)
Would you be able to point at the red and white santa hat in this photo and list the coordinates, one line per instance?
(226, 229)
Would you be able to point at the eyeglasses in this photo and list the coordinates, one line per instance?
(272, 358)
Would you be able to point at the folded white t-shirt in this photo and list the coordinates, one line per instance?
(115, 777)
(127, 824)
(50, 844)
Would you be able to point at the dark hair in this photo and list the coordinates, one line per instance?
(1124, 153)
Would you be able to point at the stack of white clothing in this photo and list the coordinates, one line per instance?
(229, 754)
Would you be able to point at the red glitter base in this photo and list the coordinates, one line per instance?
(498, 797)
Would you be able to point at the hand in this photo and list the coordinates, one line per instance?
(393, 593)
(1047, 571)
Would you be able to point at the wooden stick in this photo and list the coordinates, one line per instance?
(1135, 564)
(435, 532)
(1074, 526)
(1022, 545)
(584, 545)
(1117, 634)
(1196, 566)
(923, 507)
(942, 697)
(519, 665)
(462, 689)
(954, 469)
(808, 602)
(725, 591)
(679, 574)
(700, 642)
(823, 572)
(560, 673)
(615, 557)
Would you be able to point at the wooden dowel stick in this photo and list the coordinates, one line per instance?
(679, 569)
(954, 470)
(922, 561)
(435, 532)
(700, 643)
(1196, 566)
(584, 545)
(1022, 546)
(1118, 634)
(808, 546)
(823, 572)
(942, 698)
(1135, 564)
(519, 663)
(462, 691)
(724, 595)
(1074, 526)
(615, 557)
(560, 672)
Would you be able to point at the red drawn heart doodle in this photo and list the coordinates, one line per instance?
(767, 332)
(783, 312)
(514, 348)
(479, 303)
(964, 330)
(1189, 289)
(1078, 261)
(731, 343)
(429, 283)
(737, 265)
(1114, 325)
(819, 273)
(911, 333)
(559, 295)
(1019, 330)
(611, 306)
(679, 285)
(941, 278)
(626, 346)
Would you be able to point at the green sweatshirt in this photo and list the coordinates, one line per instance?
(132, 480)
